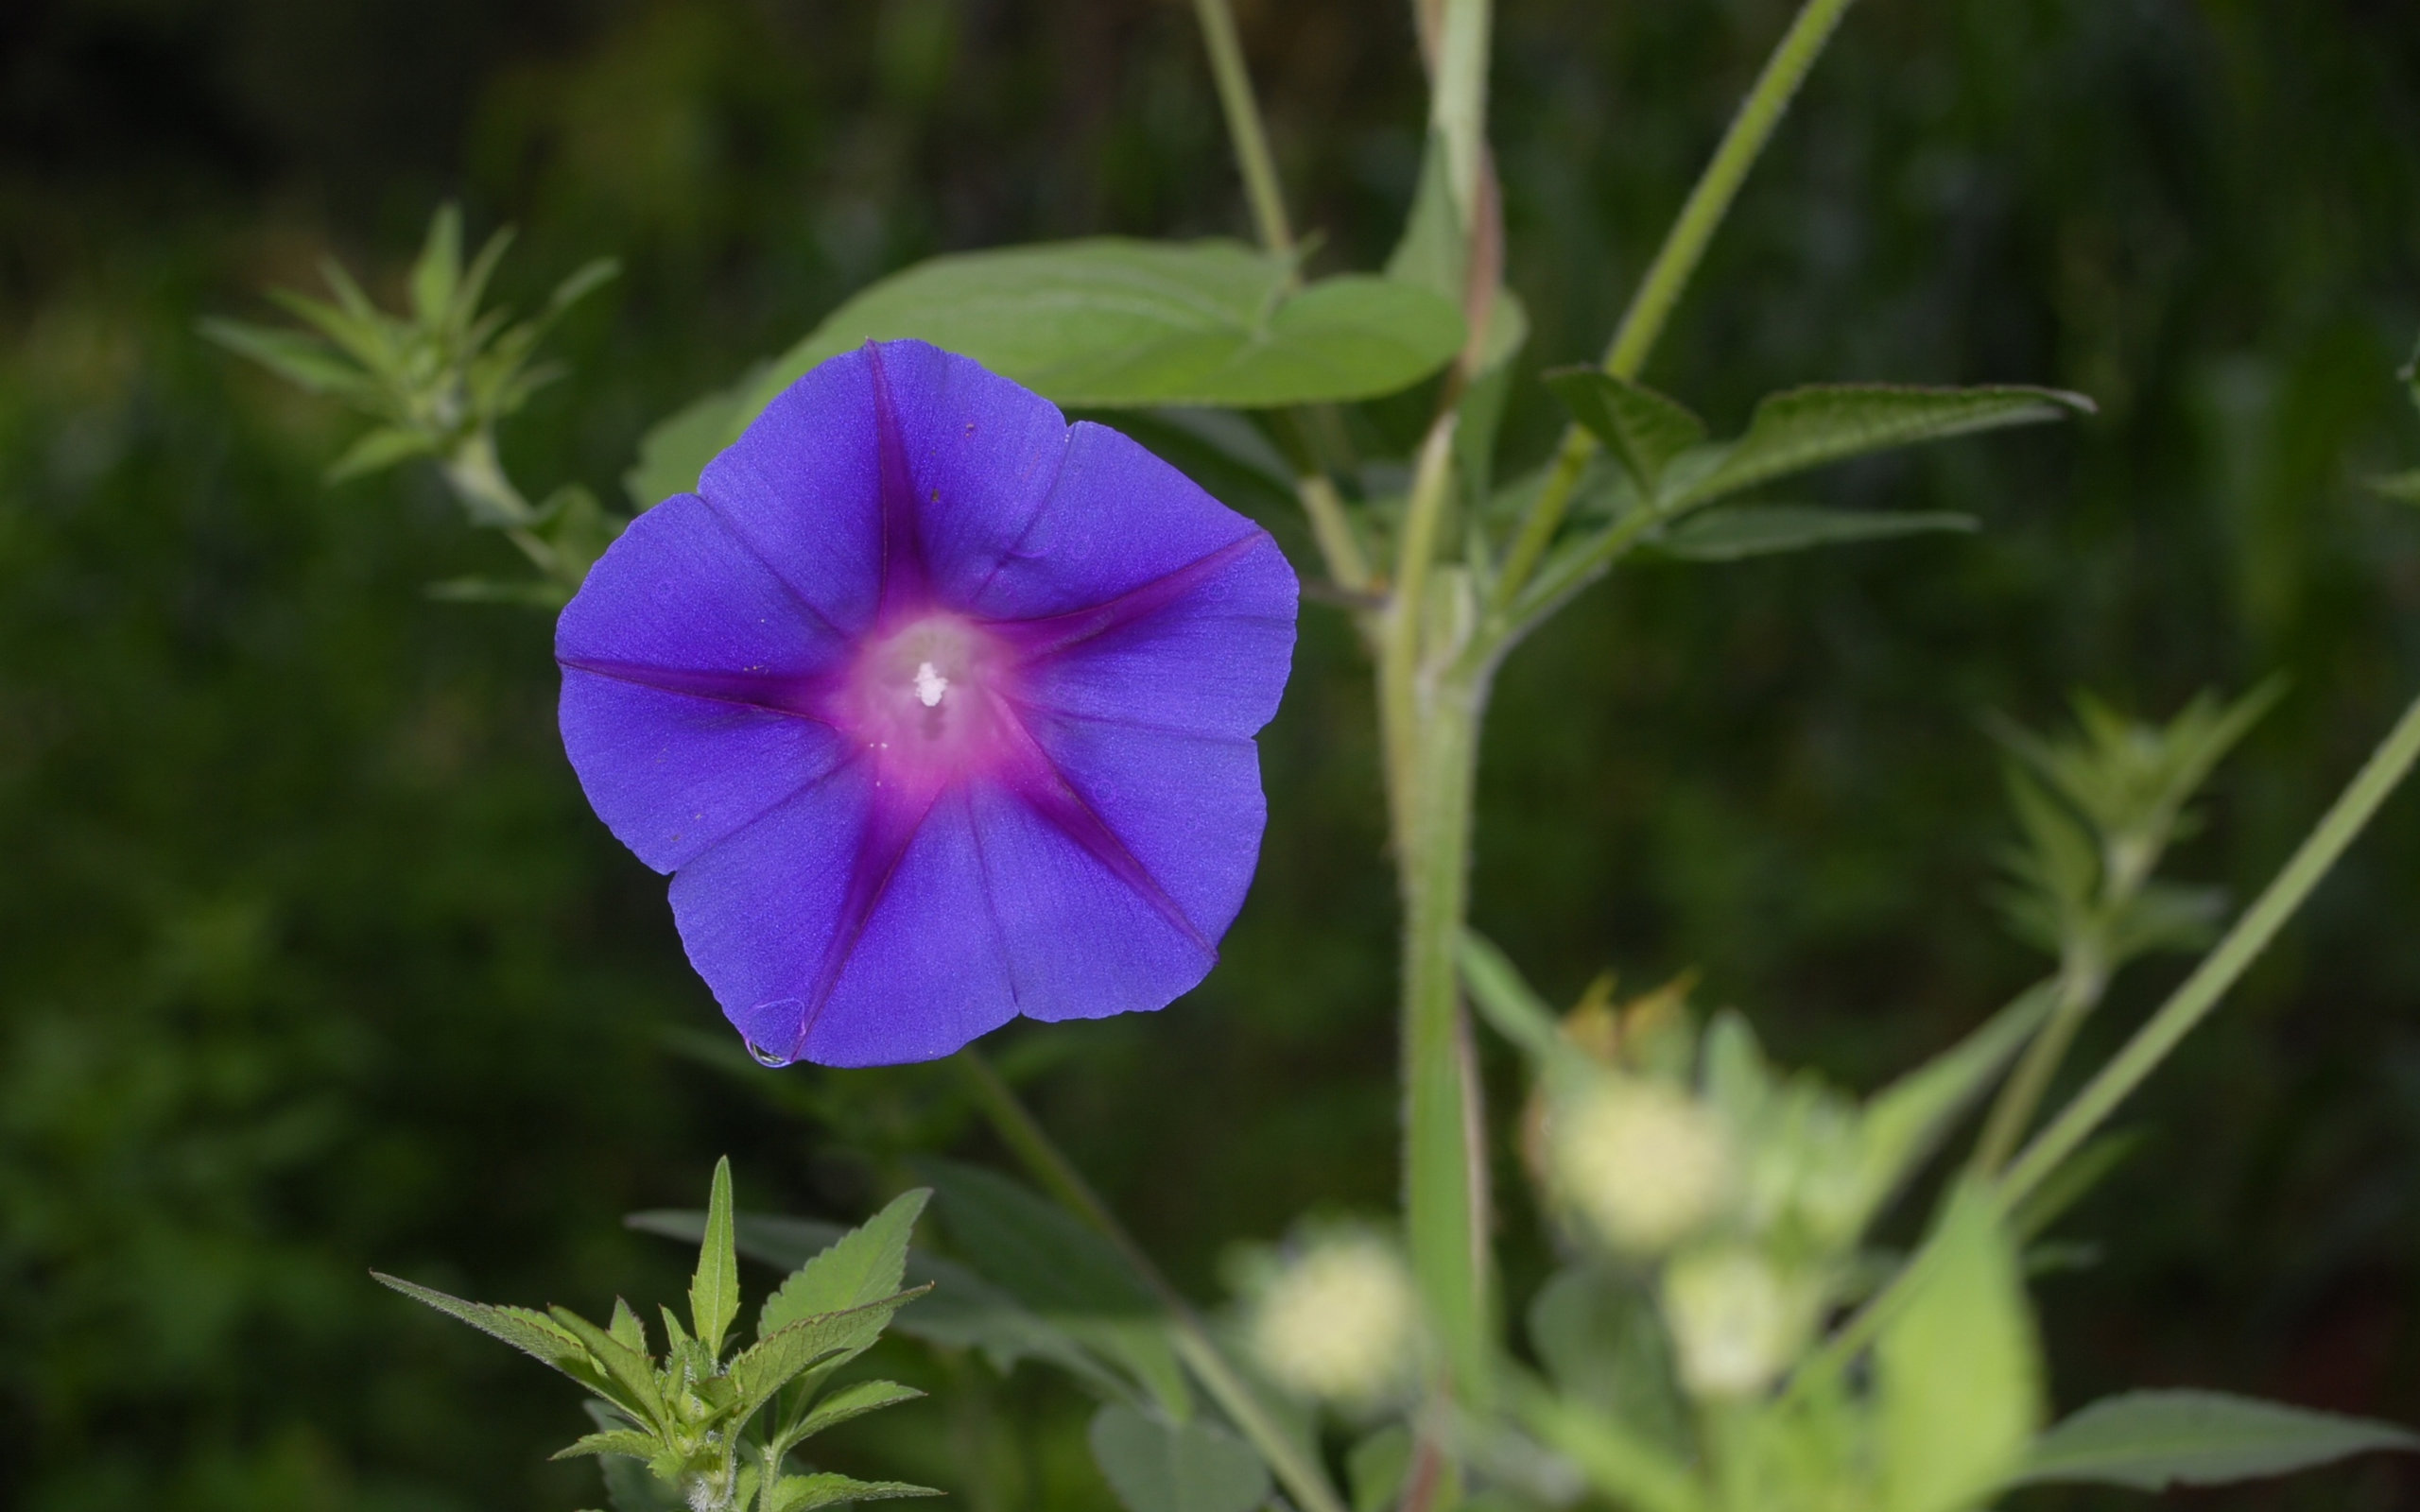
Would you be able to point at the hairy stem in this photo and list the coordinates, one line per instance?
(1243, 126)
(1302, 1477)
(1676, 262)
(2220, 969)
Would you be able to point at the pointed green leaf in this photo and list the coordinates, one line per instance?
(303, 361)
(627, 1441)
(1432, 252)
(852, 1400)
(714, 1291)
(626, 1329)
(1641, 428)
(773, 1362)
(1375, 1466)
(1745, 530)
(865, 1265)
(381, 449)
(363, 333)
(1508, 1002)
(1111, 323)
(2151, 1440)
(1600, 1338)
(582, 282)
(534, 1334)
(1905, 1121)
(1810, 427)
(631, 1373)
(1957, 1374)
(1157, 1465)
(805, 1493)
(438, 271)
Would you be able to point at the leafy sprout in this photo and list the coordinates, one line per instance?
(437, 380)
(718, 1426)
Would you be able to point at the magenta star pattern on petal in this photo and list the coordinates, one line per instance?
(938, 710)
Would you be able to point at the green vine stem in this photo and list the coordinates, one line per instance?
(2083, 981)
(2160, 1035)
(2192, 1001)
(1301, 1477)
(1243, 126)
(1675, 263)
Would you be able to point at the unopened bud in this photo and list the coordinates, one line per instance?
(1642, 1161)
(1735, 1321)
(1339, 1322)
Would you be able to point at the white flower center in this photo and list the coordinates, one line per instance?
(930, 685)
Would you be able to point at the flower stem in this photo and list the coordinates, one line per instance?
(2192, 1002)
(1047, 1164)
(1675, 263)
(1243, 126)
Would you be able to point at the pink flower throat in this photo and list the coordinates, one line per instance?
(926, 701)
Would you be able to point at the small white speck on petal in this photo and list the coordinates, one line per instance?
(930, 685)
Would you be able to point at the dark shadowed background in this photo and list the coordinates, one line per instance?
(312, 959)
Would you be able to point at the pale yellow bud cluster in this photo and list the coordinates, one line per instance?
(1737, 1321)
(1339, 1322)
(1641, 1162)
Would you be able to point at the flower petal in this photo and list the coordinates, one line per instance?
(1118, 518)
(1186, 808)
(802, 486)
(1082, 941)
(845, 929)
(1204, 648)
(679, 630)
(981, 454)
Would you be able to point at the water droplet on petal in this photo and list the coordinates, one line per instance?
(764, 1056)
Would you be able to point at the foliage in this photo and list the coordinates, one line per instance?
(686, 1414)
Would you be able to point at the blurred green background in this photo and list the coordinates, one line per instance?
(316, 960)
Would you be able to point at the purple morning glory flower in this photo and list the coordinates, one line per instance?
(937, 709)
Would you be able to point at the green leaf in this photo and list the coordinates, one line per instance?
(864, 1265)
(435, 276)
(803, 1494)
(632, 1442)
(773, 1362)
(626, 1329)
(2401, 486)
(676, 449)
(1956, 1370)
(534, 1334)
(1745, 530)
(1157, 1465)
(1641, 428)
(1116, 323)
(1432, 252)
(1600, 1339)
(1808, 427)
(853, 1400)
(381, 449)
(1375, 1466)
(303, 361)
(1905, 1121)
(1060, 1268)
(631, 1372)
(714, 1290)
(1628, 1469)
(1508, 1002)
(2151, 1440)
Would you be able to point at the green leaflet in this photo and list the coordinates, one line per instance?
(1745, 530)
(2151, 1440)
(676, 449)
(714, 1290)
(1803, 428)
(1957, 1375)
(1640, 427)
(1902, 1123)
(864, 1266)
(1157, 1465)
(803, 1494)
(774, 1360)
(1114, 323)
